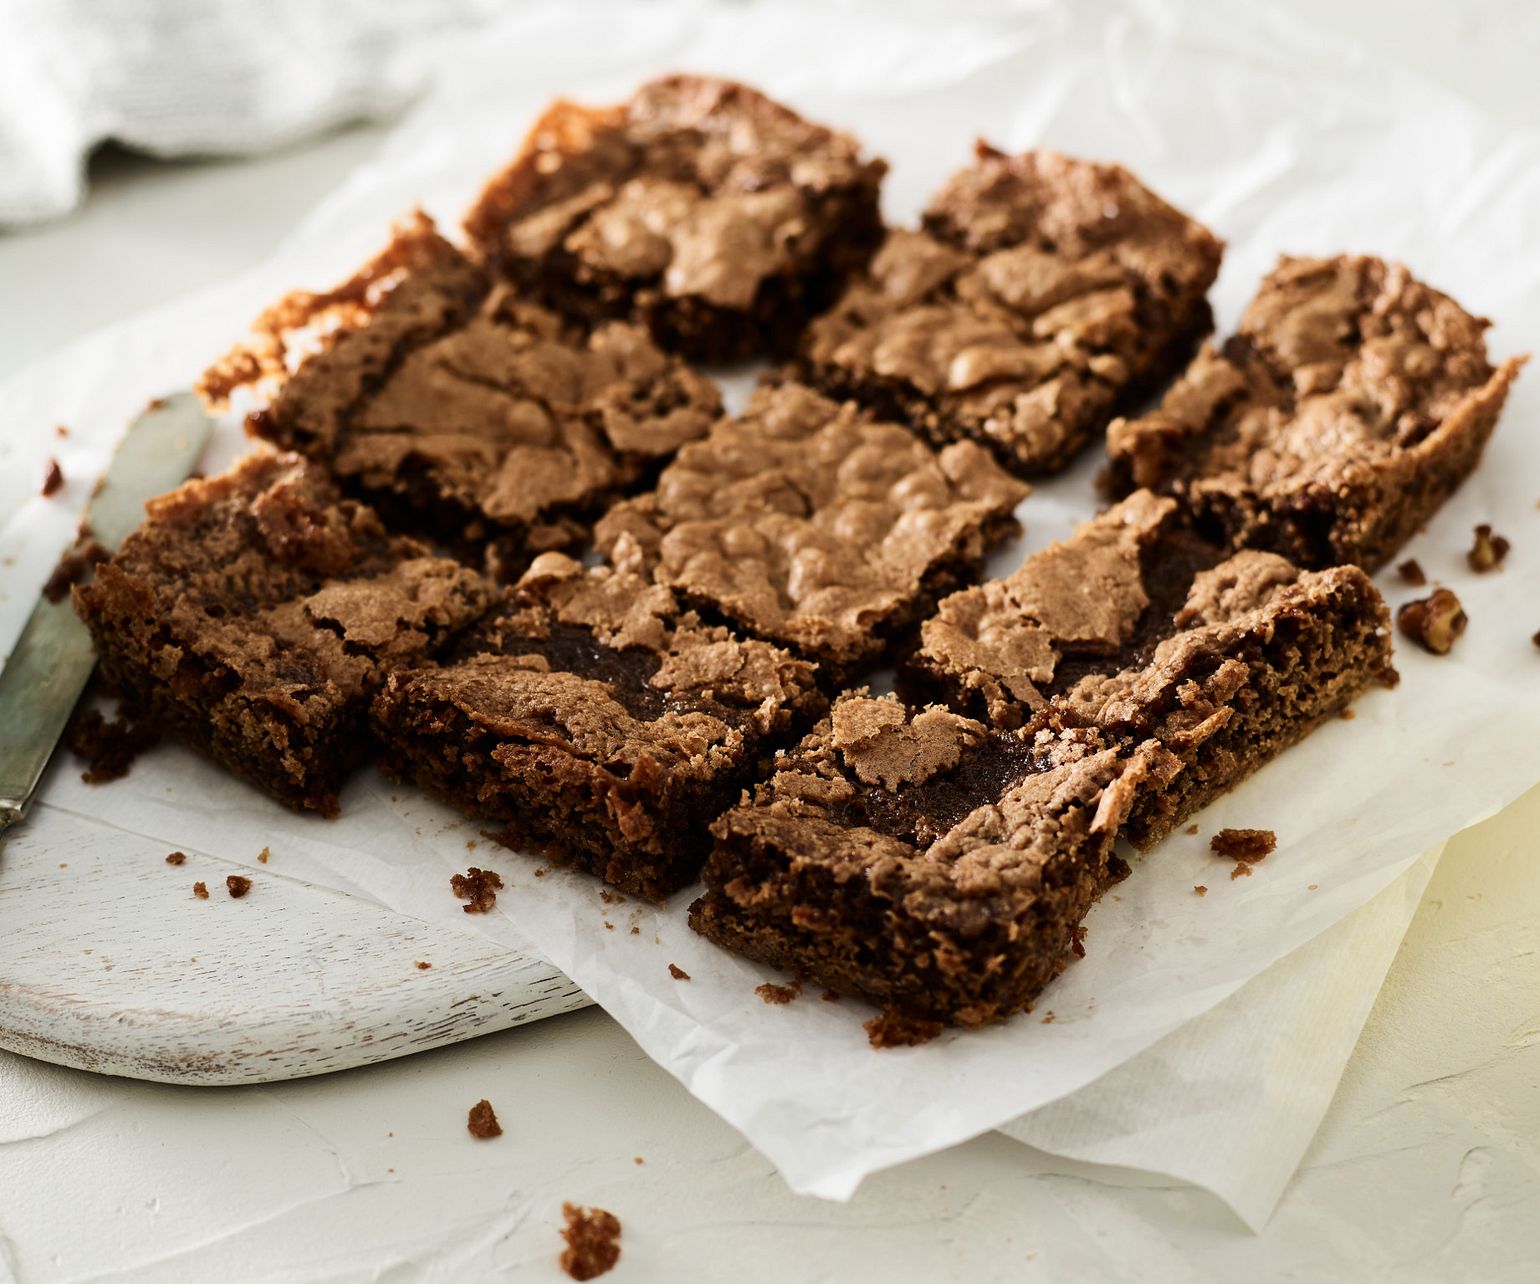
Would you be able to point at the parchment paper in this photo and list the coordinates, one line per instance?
(1279, 139)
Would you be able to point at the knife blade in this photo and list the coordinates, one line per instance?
(53, 658)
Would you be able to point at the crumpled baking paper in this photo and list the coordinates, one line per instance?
(1281, 140)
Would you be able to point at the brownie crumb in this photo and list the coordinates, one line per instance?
(73, 566)
(637, 1160)
(263, 855)
(1348, 713)
(831, 996)
(900, 1030)
(778, 994)
(201, 891)
(238, 885)
(53, 479)
(479, 887)
(108, 747)
(176, 858)
(1241, 870)
(1077, 941)
(1486, 554)
(1535, 639)
(1243, 844)
(1412, 573)
(593, 1241)
(1433, 622)
(678, 973)
(1200, 889)
(611, 898)
(1192, 829)
(61, 431)
(482, 1121)
(1048, 1017)
(421, 966)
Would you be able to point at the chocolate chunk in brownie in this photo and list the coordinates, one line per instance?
(599, 722)
(1041, 296)
(1349, 405)
(593, 1241)
(481, 1121)
(254, 615)
(1260, 656)
(712, 214)
(1246, 845)
(812, 525)
(919, 859)
(1434, 622)
(475, 417)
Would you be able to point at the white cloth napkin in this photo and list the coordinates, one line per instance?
(195, 77)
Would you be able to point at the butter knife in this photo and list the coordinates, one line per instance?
(53, 658)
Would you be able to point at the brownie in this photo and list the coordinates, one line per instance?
(255, 614)
(1261, 654)
(701, 208)
(810, 524)
(1347, 407)
(598, 722)
(923, 861)
(1041, 296)
(1146, 628)
(467, 413)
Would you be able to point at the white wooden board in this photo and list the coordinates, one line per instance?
(108, 962)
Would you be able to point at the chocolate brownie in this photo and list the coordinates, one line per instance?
(465, 413)
(1041, 296)
(255, 614)
(1261, 654)
(598, 722)
(716, 216)
(921, 860)
(812, 525)
(1349, 405)
(1138, 603)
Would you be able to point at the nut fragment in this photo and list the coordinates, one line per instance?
(1433, 622)
(1487, 553)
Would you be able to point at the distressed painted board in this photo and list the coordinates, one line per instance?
(109, 963)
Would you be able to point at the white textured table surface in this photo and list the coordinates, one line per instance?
(1426, 1168)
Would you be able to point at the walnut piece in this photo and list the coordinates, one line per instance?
(1433, 622)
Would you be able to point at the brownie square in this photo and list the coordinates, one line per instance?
(922, 861)
(466, 413)
(598, 723)
(1349, 405)
(255, 614)
(812, 525)
(1041, 296)
(1139, 626)
(701, 208)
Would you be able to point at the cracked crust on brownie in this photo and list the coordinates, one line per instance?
(466, 413)
(809, 524)
(1350, 404)
(1041, 296)
(253, 616)
(701, 208)
(598, 722)
(922, 861)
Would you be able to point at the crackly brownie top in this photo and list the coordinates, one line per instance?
(487, 401)
(805, 521)
(1029, 298)
(702, 186)
(267, 573)
(1182, 689)
(1339, 365)
(1091, 602)
(607, 665)
(936, 809)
